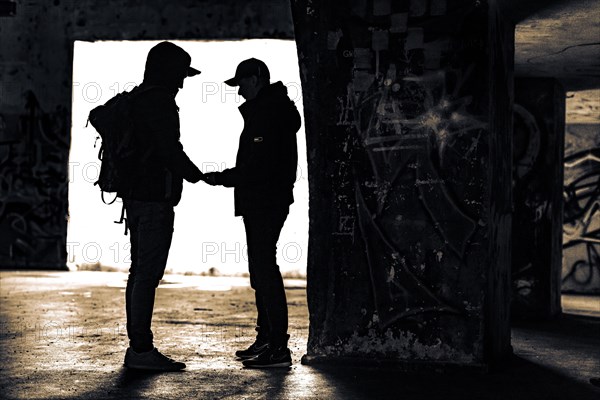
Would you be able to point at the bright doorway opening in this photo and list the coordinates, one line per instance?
(207, 238)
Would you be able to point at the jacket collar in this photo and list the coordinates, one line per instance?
(275, 91)
(168, 88)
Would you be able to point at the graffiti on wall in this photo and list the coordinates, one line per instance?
(419, 139)
(530, 206)
(33, 188)
(535, 142)
(581, 229)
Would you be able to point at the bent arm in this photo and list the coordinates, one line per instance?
(161, 123)
(265, 161)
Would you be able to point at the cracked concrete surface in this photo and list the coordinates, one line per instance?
(62, 337)
(561, 40)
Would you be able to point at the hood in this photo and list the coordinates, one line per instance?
(275, 93)
(163, 74)
(166, 65)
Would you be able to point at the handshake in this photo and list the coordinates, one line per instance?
(209, 178)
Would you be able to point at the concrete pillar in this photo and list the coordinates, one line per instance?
(408, 116)
(538, 148)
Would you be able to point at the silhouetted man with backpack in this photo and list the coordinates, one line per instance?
(263, 178)
(152, 187)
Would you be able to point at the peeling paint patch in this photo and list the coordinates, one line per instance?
(333, 38)
(402, 345)
(471, 308)
(439, 254)
(419, 182)
(391, 274)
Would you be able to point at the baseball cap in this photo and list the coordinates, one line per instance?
(249, 67)
(169, 56)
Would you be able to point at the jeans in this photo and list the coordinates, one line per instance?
(151, 227)
(262, 233)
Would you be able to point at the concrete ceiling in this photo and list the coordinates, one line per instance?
(559, 39)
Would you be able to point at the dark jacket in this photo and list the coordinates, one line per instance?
(267, 158)
(157, 171)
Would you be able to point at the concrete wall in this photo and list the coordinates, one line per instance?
(408, 117)
(581, 247)
(36, 52)
(538, 202)
(555, 234)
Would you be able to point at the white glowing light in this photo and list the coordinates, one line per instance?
(210, 128)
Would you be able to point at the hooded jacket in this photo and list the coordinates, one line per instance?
(160, 165)
(267, 158)
(157, 170)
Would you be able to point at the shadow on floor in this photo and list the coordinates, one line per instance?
(522, 379)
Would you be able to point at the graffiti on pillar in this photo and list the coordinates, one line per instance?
(413, 127)
(529, 205)
(581, 229)
(526, 141)
(33, 188)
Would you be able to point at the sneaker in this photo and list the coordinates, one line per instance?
(152, 360)
(255, 349)
(272, 358)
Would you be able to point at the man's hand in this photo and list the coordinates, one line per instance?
(197, 178)
(210, 178)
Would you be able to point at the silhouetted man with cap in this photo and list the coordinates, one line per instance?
(154, 186)
(263, 178)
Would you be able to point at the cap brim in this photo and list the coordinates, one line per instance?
(232, 82)
(193, 72)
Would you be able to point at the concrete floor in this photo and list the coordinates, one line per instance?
(62, 337)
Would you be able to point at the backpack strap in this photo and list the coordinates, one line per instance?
(123, 219)
(138, 90)
(102, 196)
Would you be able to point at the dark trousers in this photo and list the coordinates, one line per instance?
(262, 233)
(151, 227)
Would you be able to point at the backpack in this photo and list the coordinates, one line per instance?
(114, 125)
